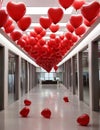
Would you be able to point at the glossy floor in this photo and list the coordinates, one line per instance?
(63, 116)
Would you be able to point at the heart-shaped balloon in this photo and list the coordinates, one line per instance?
(15, 35)
(27, 102)
(66, 99)
(83, 119)
(8, 23)
(3, 17)
(54, 28)
(45, 22)
(24, 23)
(70, 27)
(16, 10)
(76, 20)
(46, 113)
(38, 29)
(24, 112)
(66, 3)
(9, 29)
(91, 10)
(88, 24)
(77, 4)
(55, 14)
(80, 30)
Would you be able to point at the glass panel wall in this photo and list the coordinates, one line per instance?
(42, 75)
(76, 79)
(23, 77)
(85, 71)
(11, 77)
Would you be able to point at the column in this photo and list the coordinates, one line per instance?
(73, 74)
(80, 77)
(94, 76)
(1, 78)
(17, 78)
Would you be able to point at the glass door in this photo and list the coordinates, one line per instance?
(11, 77)
(85, 70)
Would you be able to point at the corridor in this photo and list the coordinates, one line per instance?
(63, 117)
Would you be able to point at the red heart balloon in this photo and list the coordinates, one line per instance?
(66, 99)
(52, 35)
(45, 22)
(88, 24)
(24, 112)
(80, 30)
(54, 28)
(8, 23)
(16, 10)
(77, 4)
(38, 29)
(3, 17)
(21, 42)
(91, 10)
(76, 20)
(46, 113)
(55, 14)
(70, 27)
(15, 35)
(27, 102)
(83, 119)
(24, 23)
(66, 3)
(9, 29)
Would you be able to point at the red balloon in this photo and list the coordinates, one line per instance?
(53, 35)
(74, 38)
(80, 30)
(70, 27)
(16, 10)
(46, 113)
(21, 42)
(9, 29)
(42, 42)
(33, 34)
(8, 23)
(61, 37)
(55, 67)
(76, 20)
(38, 29)
(54, 28)
(68, 35)
(66, 99)
(3, 17)
(77, 4)
(32, 41)
(43, 33)
(55, 14)
(27, 102)
(91, 10)
(24, 112)
(83, 119)
(45, 22)
(15, 35)
(24, 23)
(87, 23)
(66, 3)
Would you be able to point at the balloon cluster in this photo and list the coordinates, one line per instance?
(48, 53)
